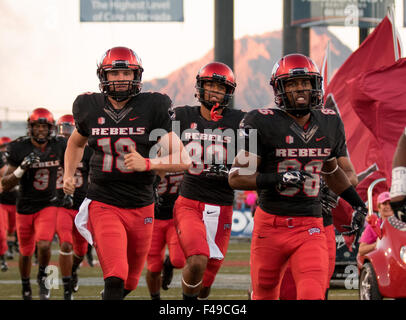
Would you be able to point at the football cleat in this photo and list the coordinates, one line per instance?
(27, 294)
(167, 273)
(44, 293)
(67, 295)
(4, 266)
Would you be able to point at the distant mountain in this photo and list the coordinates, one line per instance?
(253, 59)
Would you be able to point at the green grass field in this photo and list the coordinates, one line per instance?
(231, 283)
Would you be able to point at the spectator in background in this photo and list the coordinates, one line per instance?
(251, 200)
(367, 242)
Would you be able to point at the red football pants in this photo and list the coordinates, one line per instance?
(288, 287)
(10, 218)
(188, 218)
(164, 233)
(275, 240)
(67, 232)
(32, 228)
(3, 231)
(122, 238)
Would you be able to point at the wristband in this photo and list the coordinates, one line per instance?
(352, 197)
(19, 172)
(265, 180)
(147, 164)
(398, 187)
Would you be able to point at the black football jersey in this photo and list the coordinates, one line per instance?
(82, 180)
(212, 146)
(168, 190)
(37, 187)
(284, 145)
(110, 134)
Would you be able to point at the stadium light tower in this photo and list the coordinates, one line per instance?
(224, 33)
(295, 39)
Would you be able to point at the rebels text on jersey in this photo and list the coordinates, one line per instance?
(284, 145)
(212, 146)
(38, 184)
(110, 134)
(168, 190)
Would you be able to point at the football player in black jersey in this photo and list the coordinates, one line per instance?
(164, 233)
(296, 142)
(33, 162)
(8, 204)
(203, 211)
(73, 246)
(121, 125)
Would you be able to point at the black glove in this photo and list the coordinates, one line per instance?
(216, 171)
(29, 160)
(357, 223)
(399, 209)
(292, 178)
(67, 201)
(328, 198)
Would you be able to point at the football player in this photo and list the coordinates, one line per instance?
(73, 246)
(33, 163)
(296, 142)
(121, 124)
(8, 206)
(203, 211)
(164, 233)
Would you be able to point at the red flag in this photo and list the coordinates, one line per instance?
(379, 99)
(325, 67)
(376, 51)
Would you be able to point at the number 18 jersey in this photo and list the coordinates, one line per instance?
(110, 134)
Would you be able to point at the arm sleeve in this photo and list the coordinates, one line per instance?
(13, 157)
(251, 131)
(80, 114)
(164, 113)
(340, 148)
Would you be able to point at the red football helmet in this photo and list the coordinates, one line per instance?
(65, 125)
(4, 141)
(44, 116)
(217, 72)
(296, 66)
(120, 58)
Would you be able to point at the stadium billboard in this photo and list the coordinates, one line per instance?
(131, 10)
(351, 13)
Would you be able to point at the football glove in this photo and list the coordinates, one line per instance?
(216, 171)
(357, 223)
(67, 201)
(399, 209)
(328, 198)
(29, 160)
(292, 179)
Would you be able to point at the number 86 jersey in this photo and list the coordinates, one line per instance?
(284, 145)
(212, 146)
(111, 133)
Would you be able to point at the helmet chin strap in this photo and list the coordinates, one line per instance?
(214, 114)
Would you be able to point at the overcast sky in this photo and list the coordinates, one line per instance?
(48, 57)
